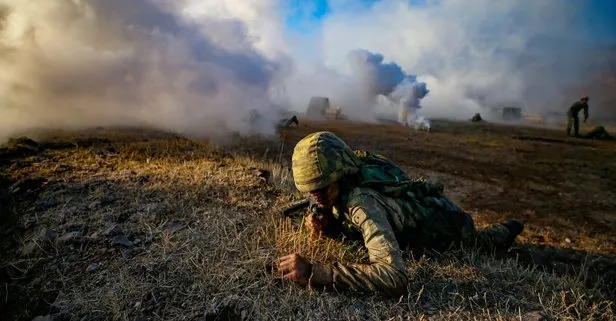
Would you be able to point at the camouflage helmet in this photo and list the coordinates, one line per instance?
(322, 158)
(586, 98)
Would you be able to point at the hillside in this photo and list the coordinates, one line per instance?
(135, 224)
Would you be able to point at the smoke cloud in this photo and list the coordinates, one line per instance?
(471, 55)
(208, 67)
(116, 62)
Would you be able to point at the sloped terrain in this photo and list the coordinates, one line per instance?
(127, 224)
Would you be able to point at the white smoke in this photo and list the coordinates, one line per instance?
(355, 85)
(470, 54)
(116, 62)
(204, 67)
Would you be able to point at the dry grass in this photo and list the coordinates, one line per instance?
(204, 232)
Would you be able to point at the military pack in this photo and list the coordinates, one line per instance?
(382, 175)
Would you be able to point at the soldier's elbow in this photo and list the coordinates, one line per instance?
(397, 291)
(398, 285)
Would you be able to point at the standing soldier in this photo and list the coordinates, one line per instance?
(366, 194)
(573, 118)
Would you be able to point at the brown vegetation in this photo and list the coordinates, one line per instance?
(117, 224)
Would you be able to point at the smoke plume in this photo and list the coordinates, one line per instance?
(209, 67)
(471, 55)
(117, 62)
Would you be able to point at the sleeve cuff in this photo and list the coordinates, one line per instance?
(321, 276)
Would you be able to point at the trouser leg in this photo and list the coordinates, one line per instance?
(576, 126)
(493, 237)
(569, 124)
(451, 227)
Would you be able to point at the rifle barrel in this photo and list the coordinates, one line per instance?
(295, 207)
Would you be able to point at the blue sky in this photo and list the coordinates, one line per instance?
(595, 23)
(599, 21)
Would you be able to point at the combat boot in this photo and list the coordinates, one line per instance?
(515, 228)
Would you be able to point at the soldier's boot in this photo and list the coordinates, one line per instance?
(515, 228)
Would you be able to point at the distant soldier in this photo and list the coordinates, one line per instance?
(287, 122)
(573, 118)
(476, 118)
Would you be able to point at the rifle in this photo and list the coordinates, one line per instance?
(334, 228)
(314, 209)
(295, 207)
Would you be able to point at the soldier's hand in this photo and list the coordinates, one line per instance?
(314, 226)
(295, 268)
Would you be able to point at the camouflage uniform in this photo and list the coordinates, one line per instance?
(573, 119)
(421, 218)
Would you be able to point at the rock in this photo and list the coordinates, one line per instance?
(121, 240)
(567, 240)
(92, 267)
(175, 226)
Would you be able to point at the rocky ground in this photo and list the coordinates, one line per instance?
(127, 224)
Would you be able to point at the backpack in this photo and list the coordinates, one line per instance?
(382, 175)
(422, 199)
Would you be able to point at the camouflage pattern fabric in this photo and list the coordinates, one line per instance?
(320, 159)
(397, 215)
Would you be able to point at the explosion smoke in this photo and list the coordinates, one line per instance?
(205, 67)
(116, 62)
